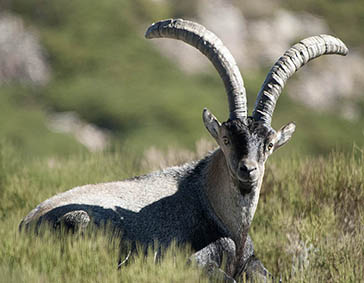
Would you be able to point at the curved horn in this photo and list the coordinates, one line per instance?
(293, 59)
(213, 48)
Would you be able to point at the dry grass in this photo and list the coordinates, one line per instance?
(308, 226)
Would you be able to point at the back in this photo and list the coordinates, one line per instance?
(163, 206)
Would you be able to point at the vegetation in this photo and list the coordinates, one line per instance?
(344, 17)
(308, 226)
(309, 222)
(104, 69)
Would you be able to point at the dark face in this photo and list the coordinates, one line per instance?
(246, 145)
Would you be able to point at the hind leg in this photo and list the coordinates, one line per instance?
(74, 221)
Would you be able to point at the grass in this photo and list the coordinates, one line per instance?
(308, 226)
(24, 125)
(309, 222)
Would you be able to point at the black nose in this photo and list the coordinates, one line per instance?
(247, 168)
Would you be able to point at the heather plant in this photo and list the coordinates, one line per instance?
(308, 226)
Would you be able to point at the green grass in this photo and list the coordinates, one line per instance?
(310, 219)
(23, 123)
(308, 226)
(309, 222)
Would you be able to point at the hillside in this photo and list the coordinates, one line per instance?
(84, 98)
(103, 69)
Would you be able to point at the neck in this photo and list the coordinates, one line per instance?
(234, 209)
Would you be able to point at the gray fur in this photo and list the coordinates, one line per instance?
(166, 205)
(209, 204)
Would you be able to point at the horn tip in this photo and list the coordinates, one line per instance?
(154, 29)
(343, 48)
(151, 30)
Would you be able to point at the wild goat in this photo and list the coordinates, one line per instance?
(210, 203)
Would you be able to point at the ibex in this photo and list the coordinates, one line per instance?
(209, 203)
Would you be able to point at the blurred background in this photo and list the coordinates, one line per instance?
(78, 76)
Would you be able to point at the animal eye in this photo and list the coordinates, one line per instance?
(225, 140)
(270, 146)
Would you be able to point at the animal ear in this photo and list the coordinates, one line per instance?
(284, 134)
(211, 123)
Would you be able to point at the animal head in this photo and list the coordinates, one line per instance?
(246, 145)
(247, 141)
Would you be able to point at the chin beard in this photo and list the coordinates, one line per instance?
(246, 187)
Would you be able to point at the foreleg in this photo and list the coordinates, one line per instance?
(217, 259)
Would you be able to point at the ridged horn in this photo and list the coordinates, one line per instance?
(212, 47)
(293, 59)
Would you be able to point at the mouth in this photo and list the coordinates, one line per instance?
(246, 187)
(247, 183)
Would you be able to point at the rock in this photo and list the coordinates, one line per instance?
(258, 34)
(331, 84)
(21, 55)
(92, 137)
